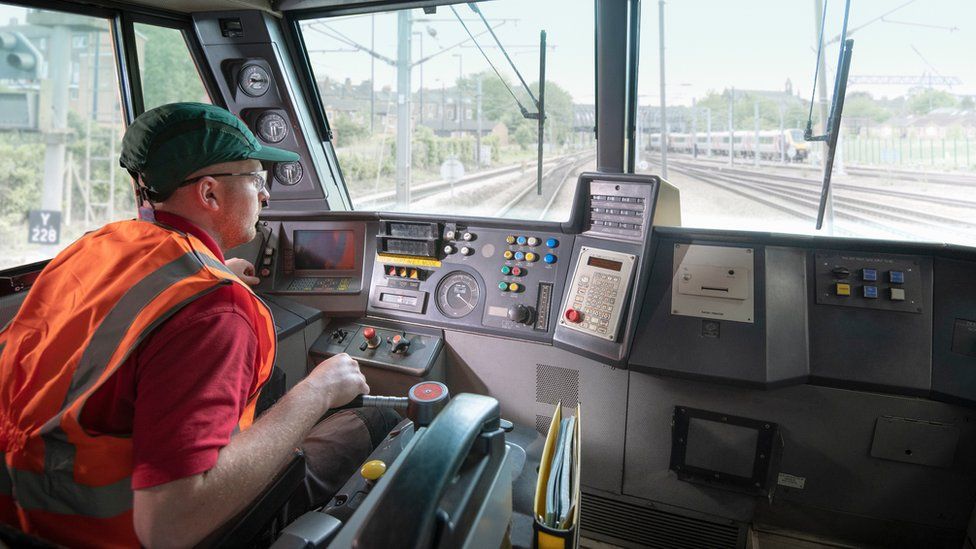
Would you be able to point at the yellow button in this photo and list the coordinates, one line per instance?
(510, 239)
(373, 469)
(508, 254)
(531, 256)
(514, 287)
(843, 289)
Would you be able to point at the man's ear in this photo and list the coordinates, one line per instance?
(207, 193)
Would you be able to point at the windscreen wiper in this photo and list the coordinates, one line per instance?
(836, 107)
(540, 102)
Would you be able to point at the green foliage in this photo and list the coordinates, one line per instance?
(927, 100)
(347, 130)
(861, 106)
(168, 73)
(794, 111)
(525, 135)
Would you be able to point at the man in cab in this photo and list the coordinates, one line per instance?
(130, 376)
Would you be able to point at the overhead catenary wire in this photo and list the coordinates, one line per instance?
(492, 65)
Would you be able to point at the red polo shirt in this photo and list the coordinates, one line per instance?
(182, 392)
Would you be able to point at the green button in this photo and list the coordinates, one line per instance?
(503, 286)
(506, 270)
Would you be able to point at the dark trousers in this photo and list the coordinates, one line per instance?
(337, 446)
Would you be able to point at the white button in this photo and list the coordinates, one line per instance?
(467, 251)
(467, 236)
(449, 249)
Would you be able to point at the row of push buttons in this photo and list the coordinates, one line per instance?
(530, 241)
(509, 286)
(894, 277)
(871, 292)
(531, 257)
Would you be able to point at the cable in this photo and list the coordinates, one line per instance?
(813, 96)
(525, 111)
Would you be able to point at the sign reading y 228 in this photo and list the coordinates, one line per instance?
(43, 226)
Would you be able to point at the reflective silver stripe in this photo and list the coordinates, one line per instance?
(114, 326)
(55, 422)
(214, 263)
(56, 491)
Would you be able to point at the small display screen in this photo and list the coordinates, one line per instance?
(604, 263)
(325, 250)
(407, 247)
(413, 230)
(400, 299)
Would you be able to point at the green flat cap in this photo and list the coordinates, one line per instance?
(167, 144)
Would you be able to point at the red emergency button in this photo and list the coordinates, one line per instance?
(574, 316)
(369, 333)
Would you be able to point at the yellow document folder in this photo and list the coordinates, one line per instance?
(564, 532)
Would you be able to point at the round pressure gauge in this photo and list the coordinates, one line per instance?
(272, 127)
(289, 173)
(457, 294)
(254, 80)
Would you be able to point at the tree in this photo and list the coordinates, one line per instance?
(168, 73)
(923, 101)
(861, 106)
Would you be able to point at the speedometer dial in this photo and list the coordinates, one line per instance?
(254, 80)
(457, 294)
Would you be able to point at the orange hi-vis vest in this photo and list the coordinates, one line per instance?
(88, 311)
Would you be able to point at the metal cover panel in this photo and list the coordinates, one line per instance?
(713, 282)
(915, 441)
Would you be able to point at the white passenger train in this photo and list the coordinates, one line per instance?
(772, 145)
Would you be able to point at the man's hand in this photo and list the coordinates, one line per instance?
(338, 379)
(243, 269)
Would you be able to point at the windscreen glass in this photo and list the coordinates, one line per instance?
(737, 94)
(438, 112)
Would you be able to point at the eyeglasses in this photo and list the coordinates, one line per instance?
(259, 178)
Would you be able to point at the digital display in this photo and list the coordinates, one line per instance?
(413, 230)
(325, 250)
(604, 263)
(399, 299)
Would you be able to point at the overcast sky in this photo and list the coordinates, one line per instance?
(710, 44)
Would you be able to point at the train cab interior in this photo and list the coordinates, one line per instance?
(530, 226)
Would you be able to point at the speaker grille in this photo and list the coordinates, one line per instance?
(554, 384)
(542, 424)
(654, 528)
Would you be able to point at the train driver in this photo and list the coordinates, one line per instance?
(129, 377)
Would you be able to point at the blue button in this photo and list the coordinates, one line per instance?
(549, 258)
(519, 256)
(552, 243)
(896, 277)
(869, 275)
(871, 292)
(521, 240)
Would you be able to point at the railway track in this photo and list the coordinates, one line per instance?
(800, 197)
(954, 179)
(386, 200)
(553, 182)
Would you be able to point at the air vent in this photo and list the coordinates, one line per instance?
(649, 527)
(554, 384)
(542, 424)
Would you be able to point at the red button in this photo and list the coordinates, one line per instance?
(369, 333)
(574, 316)
(516, 271)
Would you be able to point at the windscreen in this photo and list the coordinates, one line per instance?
(439, 112)
(738, 90)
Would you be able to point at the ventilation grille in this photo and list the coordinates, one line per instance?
(651, 527)
(542, 424)
(554, 384)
